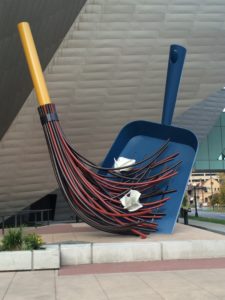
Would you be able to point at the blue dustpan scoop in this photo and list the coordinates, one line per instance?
(139, 139)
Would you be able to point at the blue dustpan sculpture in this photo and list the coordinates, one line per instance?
(139, 139)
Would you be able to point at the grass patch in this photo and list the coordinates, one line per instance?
(216, 209)
(204, 219)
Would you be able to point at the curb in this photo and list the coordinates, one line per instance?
(94, 253)
(69, 254)
(44, 259)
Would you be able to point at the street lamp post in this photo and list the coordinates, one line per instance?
(195, 200)
(212, 191)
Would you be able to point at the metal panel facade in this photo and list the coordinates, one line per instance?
(50, 21)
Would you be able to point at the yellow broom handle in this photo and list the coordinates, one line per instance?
(33, 63)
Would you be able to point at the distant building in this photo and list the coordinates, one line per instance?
(198, 177)
(210, 158)
(211, 153)
(206, 185)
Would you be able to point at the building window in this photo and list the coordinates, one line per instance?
(222, 156)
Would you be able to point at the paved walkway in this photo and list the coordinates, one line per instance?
(183, 279)
(169, 285)
(217, 228)
(81, 232)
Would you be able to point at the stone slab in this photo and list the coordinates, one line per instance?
(126, 252)
(75, 254)
(15, 260)
(191, 249)
(48, 258)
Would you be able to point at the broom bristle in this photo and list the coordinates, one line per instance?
(94, 192)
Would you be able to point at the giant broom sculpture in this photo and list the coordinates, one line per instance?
(93, 192)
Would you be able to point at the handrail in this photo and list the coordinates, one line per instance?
(24, 212)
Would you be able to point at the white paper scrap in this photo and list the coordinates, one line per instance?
(130, 201)
(123, 162)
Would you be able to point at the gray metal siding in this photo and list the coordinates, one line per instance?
(201, 117)
(50, 21)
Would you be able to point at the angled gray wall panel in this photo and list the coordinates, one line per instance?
(50, 21)
(201, 117)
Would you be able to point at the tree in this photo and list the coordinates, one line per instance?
(215, 199)
(222, 189)
(222, 195)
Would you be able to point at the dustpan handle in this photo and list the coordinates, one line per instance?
(175, 67)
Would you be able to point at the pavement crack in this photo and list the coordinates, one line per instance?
(102, 288)
(9, 285)
(149, 285)
(55, 284)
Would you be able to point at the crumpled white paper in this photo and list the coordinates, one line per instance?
(130, 201)
(123, 162)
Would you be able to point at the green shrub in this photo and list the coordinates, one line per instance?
(12, 240)
(33, 241)
(15, 240)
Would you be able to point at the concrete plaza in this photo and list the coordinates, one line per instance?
(171, 279)
(154, 285)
